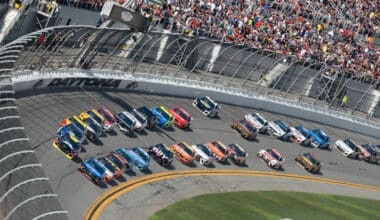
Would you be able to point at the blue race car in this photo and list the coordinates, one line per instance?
(164, 118)
(71, 129)
(207, 106)
(95, 171)
(67, 144)
(132, 158)
(142, 153)
(320, 139)
(150, 117)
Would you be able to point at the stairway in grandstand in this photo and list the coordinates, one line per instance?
(274, 74)
(8, 21)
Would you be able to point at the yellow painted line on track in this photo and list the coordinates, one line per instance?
(97, 207)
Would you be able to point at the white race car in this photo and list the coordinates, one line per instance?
(271, 157)
(207, 106)
(126, 122)
(352, 150)
(279, 129)
(141, 121)
(203, 154)
(297, 137)
(258, 121)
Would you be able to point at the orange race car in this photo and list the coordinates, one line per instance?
(183, 152)
(219, 149)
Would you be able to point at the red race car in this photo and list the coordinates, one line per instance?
(181, 117)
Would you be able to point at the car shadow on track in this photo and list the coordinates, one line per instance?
(130, 173)
(192, 165)
(242, 165)
(225, 163)
(77, 159)
(142, 133)
(121, 179)
(211, 165)
(146, 171)
(187, 129)
(130, 134)
(113, 183)
(111, 132)
(97, 142)
(161, 132)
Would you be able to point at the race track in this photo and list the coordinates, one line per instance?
(40, 114)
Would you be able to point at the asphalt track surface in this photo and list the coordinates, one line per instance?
(41, 113)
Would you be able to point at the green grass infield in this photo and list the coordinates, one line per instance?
(271, 205)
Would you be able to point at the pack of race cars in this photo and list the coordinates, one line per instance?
(73, 130)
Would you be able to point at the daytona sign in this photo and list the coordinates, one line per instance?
(84, 82)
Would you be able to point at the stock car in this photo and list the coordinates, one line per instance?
(237, 154)
(319, 139)
(181, 117)
(207, 106)
(183, 152)
(96, 117)
(126, 122)
(219, 149)
(258, 121)
(150, 117)
(78, 127)
(94, 130)
(67, 144)
(374, 151)
(271, 157)
(115, 170)
(133, 159)
(164, 118)
(203, 154)
(352, 150)
(71, 129)
(95, 171)
(109, 118)
(309, 162)
(142, 153)
(299, 135)
(245, 129)
(162, 154)
(279, 129)
(118, 160)
(141, 121)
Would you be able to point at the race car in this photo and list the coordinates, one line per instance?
(219, 149)
(279, 129)
(118, 160)
(258, 121)
(126, 122)
(96, 117)
(164, 118)
(271, 157)
(299, 135)
(109, 118)
(207, 106)
(309, 162)
(94, 130)
(95, 171)
(133, 159)
(67, 144)
(374, 151)
(245, 129)
(78, 127)
(183, 152)
(162, 154)
(203, 154)
(141, 121)
(150, 117)
(71, 129)
(116, 171)
(142, 153)
(181, 117)
(237, 154)
(319, 139)
(352, 150)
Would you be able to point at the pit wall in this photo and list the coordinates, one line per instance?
(138, 82)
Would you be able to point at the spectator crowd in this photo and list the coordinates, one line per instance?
(339, 33)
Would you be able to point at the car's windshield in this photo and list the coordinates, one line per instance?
(274, 154)
(322, 135)
(282, 125)
(95, 117)
(140, 153)
(115, 160)
(163, 113)
(181, 114)
(77, 126)
(97, 166)
(312, 159)
(138, 117)
(248, 126)
(186, 149)
(126, 119)
(219, 146)
(302, 131)
(350, 144)
(165, 150)
(205, 149)
(106, 164)
(238, 150)
(258, 118)
(207, 103)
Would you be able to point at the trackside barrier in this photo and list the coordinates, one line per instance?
(140, 82)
